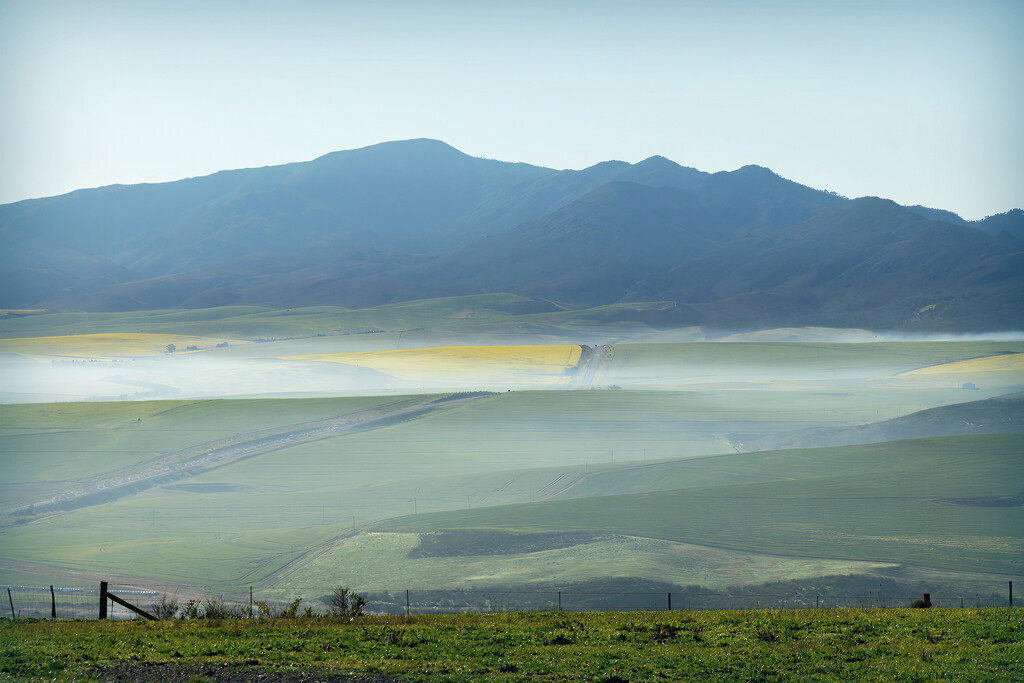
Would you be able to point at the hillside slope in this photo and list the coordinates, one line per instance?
(412, 219)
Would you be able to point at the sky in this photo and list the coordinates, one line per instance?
(916, 101)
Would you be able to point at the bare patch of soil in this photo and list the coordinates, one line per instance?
(225, 673)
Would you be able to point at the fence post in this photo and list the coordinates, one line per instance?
(407, 602)
(250, 602)
(1011, 593)
(669, 602)
(53, 604)
(11, 601)
(106, 594)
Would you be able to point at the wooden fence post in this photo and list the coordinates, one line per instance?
(103, 599)
(53, 604)
(11, 601)
(669, 602)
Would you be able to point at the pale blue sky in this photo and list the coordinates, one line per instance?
(921, 102)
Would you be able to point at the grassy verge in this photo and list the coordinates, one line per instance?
(894, 644)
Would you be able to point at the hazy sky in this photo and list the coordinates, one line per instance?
(921, 102)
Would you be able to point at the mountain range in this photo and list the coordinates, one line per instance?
(416, 219)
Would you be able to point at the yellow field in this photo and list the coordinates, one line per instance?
(445, 363)
(112, 345)
(1005, 363)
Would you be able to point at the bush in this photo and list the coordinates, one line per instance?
(193, 609)
(165, 608)
(345, 604)
(276, 610)
(216, 608)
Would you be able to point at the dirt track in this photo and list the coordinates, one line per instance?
(127, 482)
(590, 362)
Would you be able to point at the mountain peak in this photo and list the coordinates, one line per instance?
(751, 169)
(656, 160)
(402, 150)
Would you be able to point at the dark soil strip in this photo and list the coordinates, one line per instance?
(217, 673)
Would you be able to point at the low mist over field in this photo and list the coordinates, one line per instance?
(236, 357)
(328, 327)
(341, 442)
(405, 368)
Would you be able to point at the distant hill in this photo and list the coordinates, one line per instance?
(1000, 415)
(417, 218)
(864, 263)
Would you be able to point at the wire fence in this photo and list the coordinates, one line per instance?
(24, 602)
(83, 603)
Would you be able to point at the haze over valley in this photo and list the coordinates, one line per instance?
(403, 367)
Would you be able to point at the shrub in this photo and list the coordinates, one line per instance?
(193, 609)
(345, 604)
(216, 608)
(275, 610)
(663, 632)
(165, 608)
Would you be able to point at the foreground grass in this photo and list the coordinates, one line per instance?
(892, 644)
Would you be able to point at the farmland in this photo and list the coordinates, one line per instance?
(324, 447)
(112, 345)
(462, 364)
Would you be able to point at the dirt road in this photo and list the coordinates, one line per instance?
(590, 361)
(180, 465)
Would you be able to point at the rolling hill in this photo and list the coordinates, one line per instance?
(990, 416)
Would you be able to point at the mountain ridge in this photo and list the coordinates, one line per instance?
(416, 218)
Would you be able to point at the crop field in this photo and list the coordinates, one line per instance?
(110, 345)
(464, 315)
(1001, 364)
(254, 322)
(375, 561)
(255, 468)
(515, 364)
(239, 524)
(747, 361)
(387, 353)
(921, 502)
(47, 448)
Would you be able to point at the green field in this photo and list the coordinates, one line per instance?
(883, 503)
(820, 645)
(650, 457)
(267, 355)
(486, 312)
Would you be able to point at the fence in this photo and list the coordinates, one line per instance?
(82, 603)
(68, 603)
